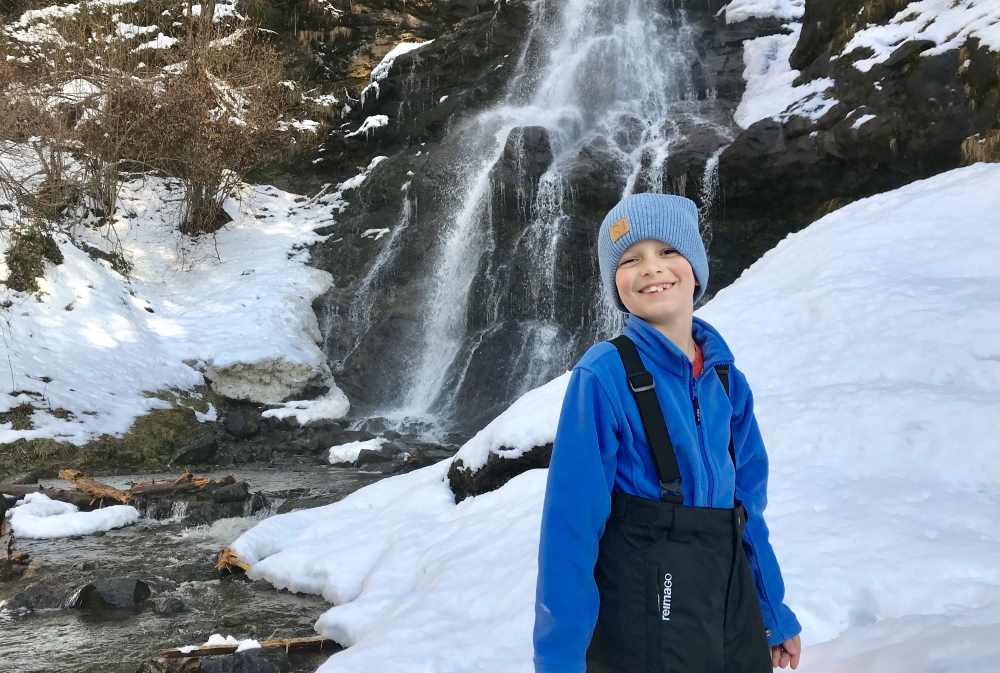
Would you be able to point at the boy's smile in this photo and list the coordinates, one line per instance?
(655, 282)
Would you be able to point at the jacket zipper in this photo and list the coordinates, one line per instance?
(701, 444)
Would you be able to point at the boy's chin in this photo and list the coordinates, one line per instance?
(661, 315)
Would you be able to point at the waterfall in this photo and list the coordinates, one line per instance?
(616, 83)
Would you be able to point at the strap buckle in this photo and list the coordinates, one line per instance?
(641, 381)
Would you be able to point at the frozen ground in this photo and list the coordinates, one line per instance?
(871, 340)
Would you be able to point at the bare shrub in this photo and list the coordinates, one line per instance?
(96, 101)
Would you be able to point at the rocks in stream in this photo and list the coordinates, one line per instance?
(168, 606)
(241, 662)
(249, 661)
(37, 596)
(109, 593)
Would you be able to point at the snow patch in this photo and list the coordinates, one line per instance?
(160, 42)
(369, 125)
(770, 91)
(330, 407)
(348, 453)
(38, 516)
(947, 23)
(742, 10)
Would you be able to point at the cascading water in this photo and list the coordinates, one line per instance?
(605, 85)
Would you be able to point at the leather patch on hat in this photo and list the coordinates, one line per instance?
(619, 228)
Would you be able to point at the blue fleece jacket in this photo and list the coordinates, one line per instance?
(601, 445)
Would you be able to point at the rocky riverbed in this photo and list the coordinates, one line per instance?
(162, 575)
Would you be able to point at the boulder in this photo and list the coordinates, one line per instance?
(497, 471)
(35, 597)
(109, 593)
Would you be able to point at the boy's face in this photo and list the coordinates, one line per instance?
(655, 282)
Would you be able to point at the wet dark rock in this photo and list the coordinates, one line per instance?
(384, 454)
(309, 502)
(596, 176)
(695, 143)
(496, 472)
(514, 182)
(200, 449)
(241, 420)
(105, 593)
(907, 52)
(35, 597)
(241, 662)
(168, 606)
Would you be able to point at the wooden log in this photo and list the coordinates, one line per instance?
(186, 483)
(286, 644)
(228, 561)
(81, 500)
(92, 487)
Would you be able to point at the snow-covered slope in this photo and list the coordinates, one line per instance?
(236, 308)
(872, 340)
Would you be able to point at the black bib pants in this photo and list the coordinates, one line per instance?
(676, 591)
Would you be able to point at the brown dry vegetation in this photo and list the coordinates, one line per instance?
(92, 106)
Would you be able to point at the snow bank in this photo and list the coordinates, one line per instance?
(947, 23)
(871, 341)
(330, 407)
(348, 453)
(769, 76)
(527, 423)
(38, 516)
(741, 10)
(236, 307)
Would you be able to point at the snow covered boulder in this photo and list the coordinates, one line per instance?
(518, 440)
(38, 516)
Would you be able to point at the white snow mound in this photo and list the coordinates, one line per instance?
(871, 340)
(38, 516)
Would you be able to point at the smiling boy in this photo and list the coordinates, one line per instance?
(654, 554)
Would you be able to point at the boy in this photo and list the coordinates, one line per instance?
(654, 555)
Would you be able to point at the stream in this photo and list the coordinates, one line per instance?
(176, 560)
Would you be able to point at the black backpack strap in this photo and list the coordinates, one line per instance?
(643, 388)
(722, 371)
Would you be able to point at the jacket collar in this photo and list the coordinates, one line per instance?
(661, 350)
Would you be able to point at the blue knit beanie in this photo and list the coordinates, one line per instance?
(660, 217)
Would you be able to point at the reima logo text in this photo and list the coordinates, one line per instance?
(668, 590)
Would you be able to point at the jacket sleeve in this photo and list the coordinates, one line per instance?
(751, 489)
(577, 506)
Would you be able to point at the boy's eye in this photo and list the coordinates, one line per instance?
(668, 251)
(626, 261)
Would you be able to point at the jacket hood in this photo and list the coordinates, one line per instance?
(661, 350)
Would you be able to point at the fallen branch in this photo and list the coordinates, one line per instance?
(94, 488)
(286, 644)
(229, 562)
(186, 483)
(81, 500)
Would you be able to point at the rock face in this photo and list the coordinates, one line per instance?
(532, 292)
(925, 114)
